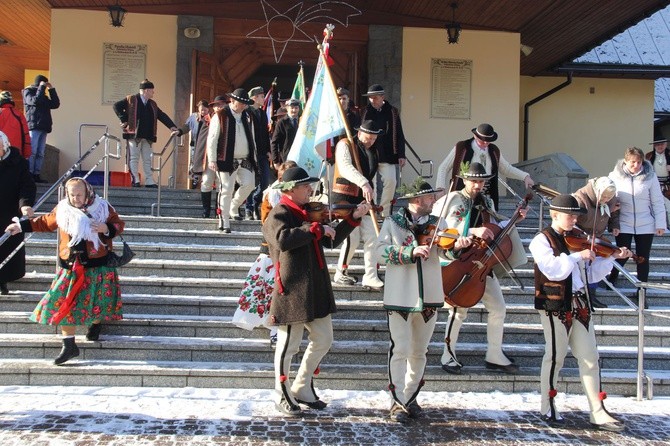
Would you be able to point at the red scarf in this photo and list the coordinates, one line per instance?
(315, 228)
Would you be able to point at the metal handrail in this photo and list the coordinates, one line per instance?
(639, 307)
(45, 196)
(172, 141)
(420, 161)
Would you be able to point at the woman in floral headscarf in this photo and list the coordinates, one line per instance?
(85, 290)
(599, 199)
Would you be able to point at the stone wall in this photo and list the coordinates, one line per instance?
(385, 60)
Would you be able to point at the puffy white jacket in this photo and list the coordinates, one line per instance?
(642, 208)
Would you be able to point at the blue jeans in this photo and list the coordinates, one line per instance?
(265, 178)
(38, 141)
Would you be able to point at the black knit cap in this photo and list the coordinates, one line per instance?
(40, 78)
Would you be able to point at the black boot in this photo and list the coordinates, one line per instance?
(206, 198)
(69, 351)
(94, 332)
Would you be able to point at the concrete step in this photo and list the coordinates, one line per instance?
(344, 329)
(360, 310)
(89, 372)
(226, 350)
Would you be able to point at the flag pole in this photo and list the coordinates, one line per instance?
(328, 33)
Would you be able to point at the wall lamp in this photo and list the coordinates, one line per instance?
(116, 15)
(453, 27)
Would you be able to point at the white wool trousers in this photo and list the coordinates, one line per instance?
(142, 148)
(229, 203)
(387, 173)
(289, 337)
(407, 352)
(367, 232)
(494, 302)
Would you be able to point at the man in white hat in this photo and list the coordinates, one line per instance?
(480, 149)
(231, 154)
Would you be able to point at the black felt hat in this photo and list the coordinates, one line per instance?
(294, 176)
(219, 100)
(241, 95)
(417, 189)
(474, 171)
(658, 137)
(567, 204)
(369, 126)
(485, 132)
(374, 90)
(146, 84)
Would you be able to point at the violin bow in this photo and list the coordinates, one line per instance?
(517, 196)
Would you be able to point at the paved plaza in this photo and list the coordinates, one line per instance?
(120, 416)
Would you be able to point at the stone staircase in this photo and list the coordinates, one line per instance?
(181, 291)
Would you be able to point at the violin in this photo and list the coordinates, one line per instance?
(325, 213)
(578, 240)
(443, 239)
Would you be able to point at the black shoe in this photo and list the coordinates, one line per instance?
(3, 289)
(248, 215)
(398, 413)
(225, 230)
(596, 303)
(316, 405)
(612, 426)
(287, 407)
(511, 369)
(414, 409)
(237, 218)
(137, 185)
(38, 179)
(94, 332)
(69, 351)
(206, 213)
(452, 367)
(151, 186)
(553, 420)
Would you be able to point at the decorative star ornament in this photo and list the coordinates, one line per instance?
(284, 27)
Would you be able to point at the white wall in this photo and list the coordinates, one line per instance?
(494, 92)
(592, 120)
(77, 39)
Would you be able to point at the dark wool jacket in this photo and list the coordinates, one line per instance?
(141, 119)
(17, 189)
(303, 291)
(464, 153)
(261, 135)
(225, 147)
(282, 138)
(38, 107)
(391, 145)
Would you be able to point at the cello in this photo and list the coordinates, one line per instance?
(464, 279)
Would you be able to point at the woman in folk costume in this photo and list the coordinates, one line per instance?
(85, 290)
(256, 296)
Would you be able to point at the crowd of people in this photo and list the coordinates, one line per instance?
(289, 288)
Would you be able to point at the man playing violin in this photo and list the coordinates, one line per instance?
(467, 210)
(303, 296)
(565, 312)
(412, 295)
(355, 168)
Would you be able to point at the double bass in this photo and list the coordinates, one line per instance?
(464, 279)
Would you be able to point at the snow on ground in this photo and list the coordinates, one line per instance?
(174, 416)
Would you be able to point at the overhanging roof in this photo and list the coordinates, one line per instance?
(557, 30)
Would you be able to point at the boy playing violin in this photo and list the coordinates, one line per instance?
(565, 312)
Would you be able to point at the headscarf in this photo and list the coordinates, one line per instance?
(76, 222)
(600, 186)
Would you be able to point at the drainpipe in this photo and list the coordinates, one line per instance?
(526, 109)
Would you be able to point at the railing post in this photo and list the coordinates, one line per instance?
(642, 295)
